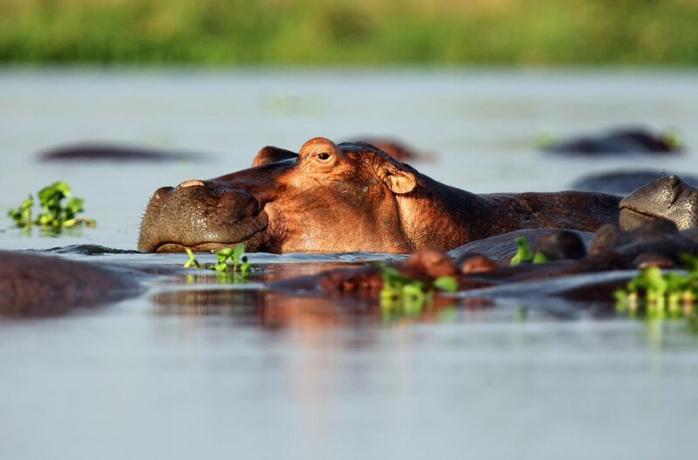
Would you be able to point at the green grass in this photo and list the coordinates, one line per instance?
(343, 32)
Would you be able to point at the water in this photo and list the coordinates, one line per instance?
(206, 371)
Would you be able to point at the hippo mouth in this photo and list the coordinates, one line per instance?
(248, 231)
(202, 216)
(630, 218)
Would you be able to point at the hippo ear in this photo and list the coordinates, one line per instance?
(271, 154)
(398, 180)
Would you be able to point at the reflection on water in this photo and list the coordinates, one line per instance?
(273, 310)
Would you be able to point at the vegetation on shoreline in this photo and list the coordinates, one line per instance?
(344, 32)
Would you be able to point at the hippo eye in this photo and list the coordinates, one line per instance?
(323, 156)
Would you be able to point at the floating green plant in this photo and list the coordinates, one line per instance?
(401, 294)
(231, 263)
(56, 213)
(658, 294)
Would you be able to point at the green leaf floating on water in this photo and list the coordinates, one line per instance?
(229, 261)
(655, 294)
(402, 295)
(55, 214)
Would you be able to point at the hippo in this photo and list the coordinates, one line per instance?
(618, 141)
(624, 182)
(33, 285)
(108, 152)
(666, 198)
(349, 197)
(396, 149)
(654, 243)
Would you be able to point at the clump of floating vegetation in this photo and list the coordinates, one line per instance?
(655, 294)
(404, 295)
(524, 254)
(659, 294)
(59, 209)
(230, 262)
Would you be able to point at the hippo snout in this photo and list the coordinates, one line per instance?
(201, 215)
(668, 198)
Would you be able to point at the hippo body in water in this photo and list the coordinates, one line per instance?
(654, 243)
(116, 153)
(349, 197)
(33, 285)
(619, 141)
(624, 182)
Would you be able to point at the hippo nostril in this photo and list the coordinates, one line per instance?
(191, 183)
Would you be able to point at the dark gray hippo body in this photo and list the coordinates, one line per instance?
(33, 285)
(624, 182)
(109, 152)
(618, 141)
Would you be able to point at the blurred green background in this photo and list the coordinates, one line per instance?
(342, 32)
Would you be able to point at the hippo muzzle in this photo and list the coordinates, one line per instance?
(202, 216)
(666, 198)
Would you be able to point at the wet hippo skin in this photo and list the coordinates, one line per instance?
(344, 198)
(34, 285)
(666, 198)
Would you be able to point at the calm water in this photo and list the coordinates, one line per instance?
(208, 371)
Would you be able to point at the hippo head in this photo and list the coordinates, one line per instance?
(667, 198)
(329, 198)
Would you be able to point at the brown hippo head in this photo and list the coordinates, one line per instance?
(329, 198)
(667, 198)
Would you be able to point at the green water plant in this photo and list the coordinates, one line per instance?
(230, 262)
(659, 294)
(524, 254)
(402, 294)
(59, 209)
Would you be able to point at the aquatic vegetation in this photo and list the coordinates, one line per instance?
(232, 259)
(192, 262)
(654, 293)
(231, 262)
(409, 296)
(56, 213)
(524, 254)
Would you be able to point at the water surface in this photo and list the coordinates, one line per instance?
(202, 370)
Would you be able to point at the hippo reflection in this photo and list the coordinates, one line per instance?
(344, 198)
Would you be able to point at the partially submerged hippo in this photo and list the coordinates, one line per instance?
(113, 152)
(619, 141)
(655, 243)
(396, 149)
(34, 285)
(346, 198)
(667, 198)
(624, 182)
